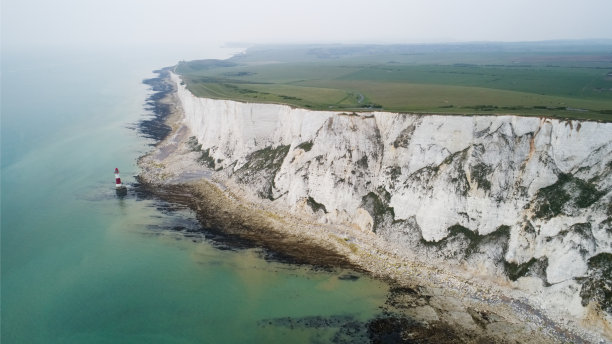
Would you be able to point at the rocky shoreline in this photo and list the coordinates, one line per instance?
(427, 304)
(155, 128)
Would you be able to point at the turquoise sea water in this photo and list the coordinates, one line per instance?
(80, 265)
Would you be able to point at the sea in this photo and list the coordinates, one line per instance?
(82, 264)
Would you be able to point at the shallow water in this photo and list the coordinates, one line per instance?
(81, 265)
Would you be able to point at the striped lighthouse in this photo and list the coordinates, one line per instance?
(118, 183)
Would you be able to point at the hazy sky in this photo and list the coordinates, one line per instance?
(126, 23)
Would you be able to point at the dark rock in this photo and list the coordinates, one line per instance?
(156, 127)
(348, 277)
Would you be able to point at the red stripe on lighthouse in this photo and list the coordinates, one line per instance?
(117, 179)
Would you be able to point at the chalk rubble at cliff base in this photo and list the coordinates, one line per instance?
(500, 205)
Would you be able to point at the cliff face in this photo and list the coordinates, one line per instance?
(523, 199)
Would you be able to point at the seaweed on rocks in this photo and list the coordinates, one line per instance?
(231, 227)
(385, 328)
(155, 128)
(399, 329)
(346, 328)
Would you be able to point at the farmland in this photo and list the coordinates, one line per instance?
(569, 80)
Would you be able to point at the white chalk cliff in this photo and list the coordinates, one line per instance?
(519, 198)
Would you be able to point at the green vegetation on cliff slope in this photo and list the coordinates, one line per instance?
(565, 80)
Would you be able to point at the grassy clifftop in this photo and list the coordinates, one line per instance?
(566, 80)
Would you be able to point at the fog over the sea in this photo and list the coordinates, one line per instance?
(179, 23)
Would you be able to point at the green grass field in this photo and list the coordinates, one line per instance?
(564, 80)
